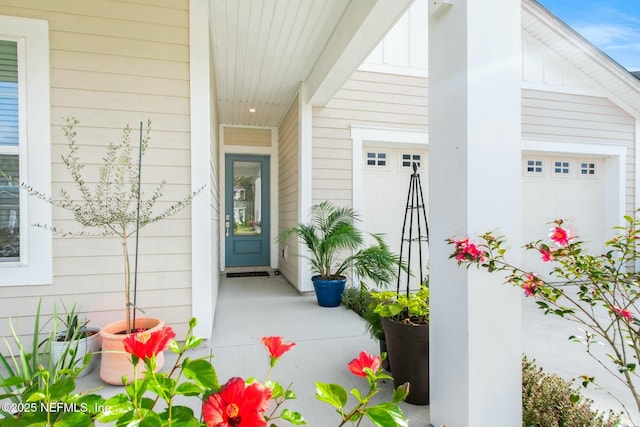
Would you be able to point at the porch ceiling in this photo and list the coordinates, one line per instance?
(264, 49)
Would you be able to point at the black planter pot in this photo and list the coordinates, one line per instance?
(329, 292)
(408, 352)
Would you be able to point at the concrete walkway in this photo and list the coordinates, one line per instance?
(328, 338)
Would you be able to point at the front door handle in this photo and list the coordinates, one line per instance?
(226, 226)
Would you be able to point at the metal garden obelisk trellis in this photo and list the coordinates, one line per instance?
(414, 229)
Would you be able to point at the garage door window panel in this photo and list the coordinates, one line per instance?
(588, 169)
(408, 159)
(376, 159)
(562, 168)
(534, 167)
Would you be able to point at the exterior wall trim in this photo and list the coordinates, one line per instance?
(202, 274)
(36, 258)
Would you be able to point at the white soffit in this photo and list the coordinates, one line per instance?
(264, 49)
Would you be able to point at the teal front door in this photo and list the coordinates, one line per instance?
(247, 238)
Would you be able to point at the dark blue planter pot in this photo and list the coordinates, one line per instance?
(328, 292)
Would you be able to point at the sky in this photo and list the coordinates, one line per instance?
(612, 25)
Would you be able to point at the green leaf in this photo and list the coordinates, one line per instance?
(93, 403)
(150, 421)
(574, 398)
(114, 408)
(192, 342)
(74, 419)
(387, 415)
(175, 347)
(333, 394)
(357, 394)
(61, 388)
(202, 372)
(189, 389)
(294, 418)
(181, 416)
(400, 393)
(12, 381)
(36, 396)
(276, 389)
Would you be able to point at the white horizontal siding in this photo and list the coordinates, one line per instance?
(288, 197)
(115, 63)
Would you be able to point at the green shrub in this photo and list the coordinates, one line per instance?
(360, 301)
(355, 299)
(550, 401)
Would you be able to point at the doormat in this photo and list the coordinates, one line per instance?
(249, 274)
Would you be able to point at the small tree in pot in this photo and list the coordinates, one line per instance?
(113, 207)
(336, 247)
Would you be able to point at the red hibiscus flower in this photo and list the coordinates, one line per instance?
(530, 284)
(237, 405)
(146, 345)
(623, 313)
(364, 360)
(561, 236)
(276, 347)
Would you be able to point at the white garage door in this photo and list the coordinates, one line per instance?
(562, 187)
(552, 187)
(386, 177)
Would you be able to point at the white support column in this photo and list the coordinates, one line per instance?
(202, 274)
(474, 186)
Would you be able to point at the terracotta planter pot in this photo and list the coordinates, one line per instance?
(408, 352)
(115, 361)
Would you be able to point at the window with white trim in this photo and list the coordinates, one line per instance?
(25, 250)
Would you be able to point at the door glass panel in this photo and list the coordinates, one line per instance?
(247, 198)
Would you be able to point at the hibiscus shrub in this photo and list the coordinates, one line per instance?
(598, 292)
(239, 402)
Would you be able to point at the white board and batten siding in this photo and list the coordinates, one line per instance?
(113, 66)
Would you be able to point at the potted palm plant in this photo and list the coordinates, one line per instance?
(115, 207)
(337, 247)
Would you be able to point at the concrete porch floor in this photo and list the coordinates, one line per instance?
(328, 338)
